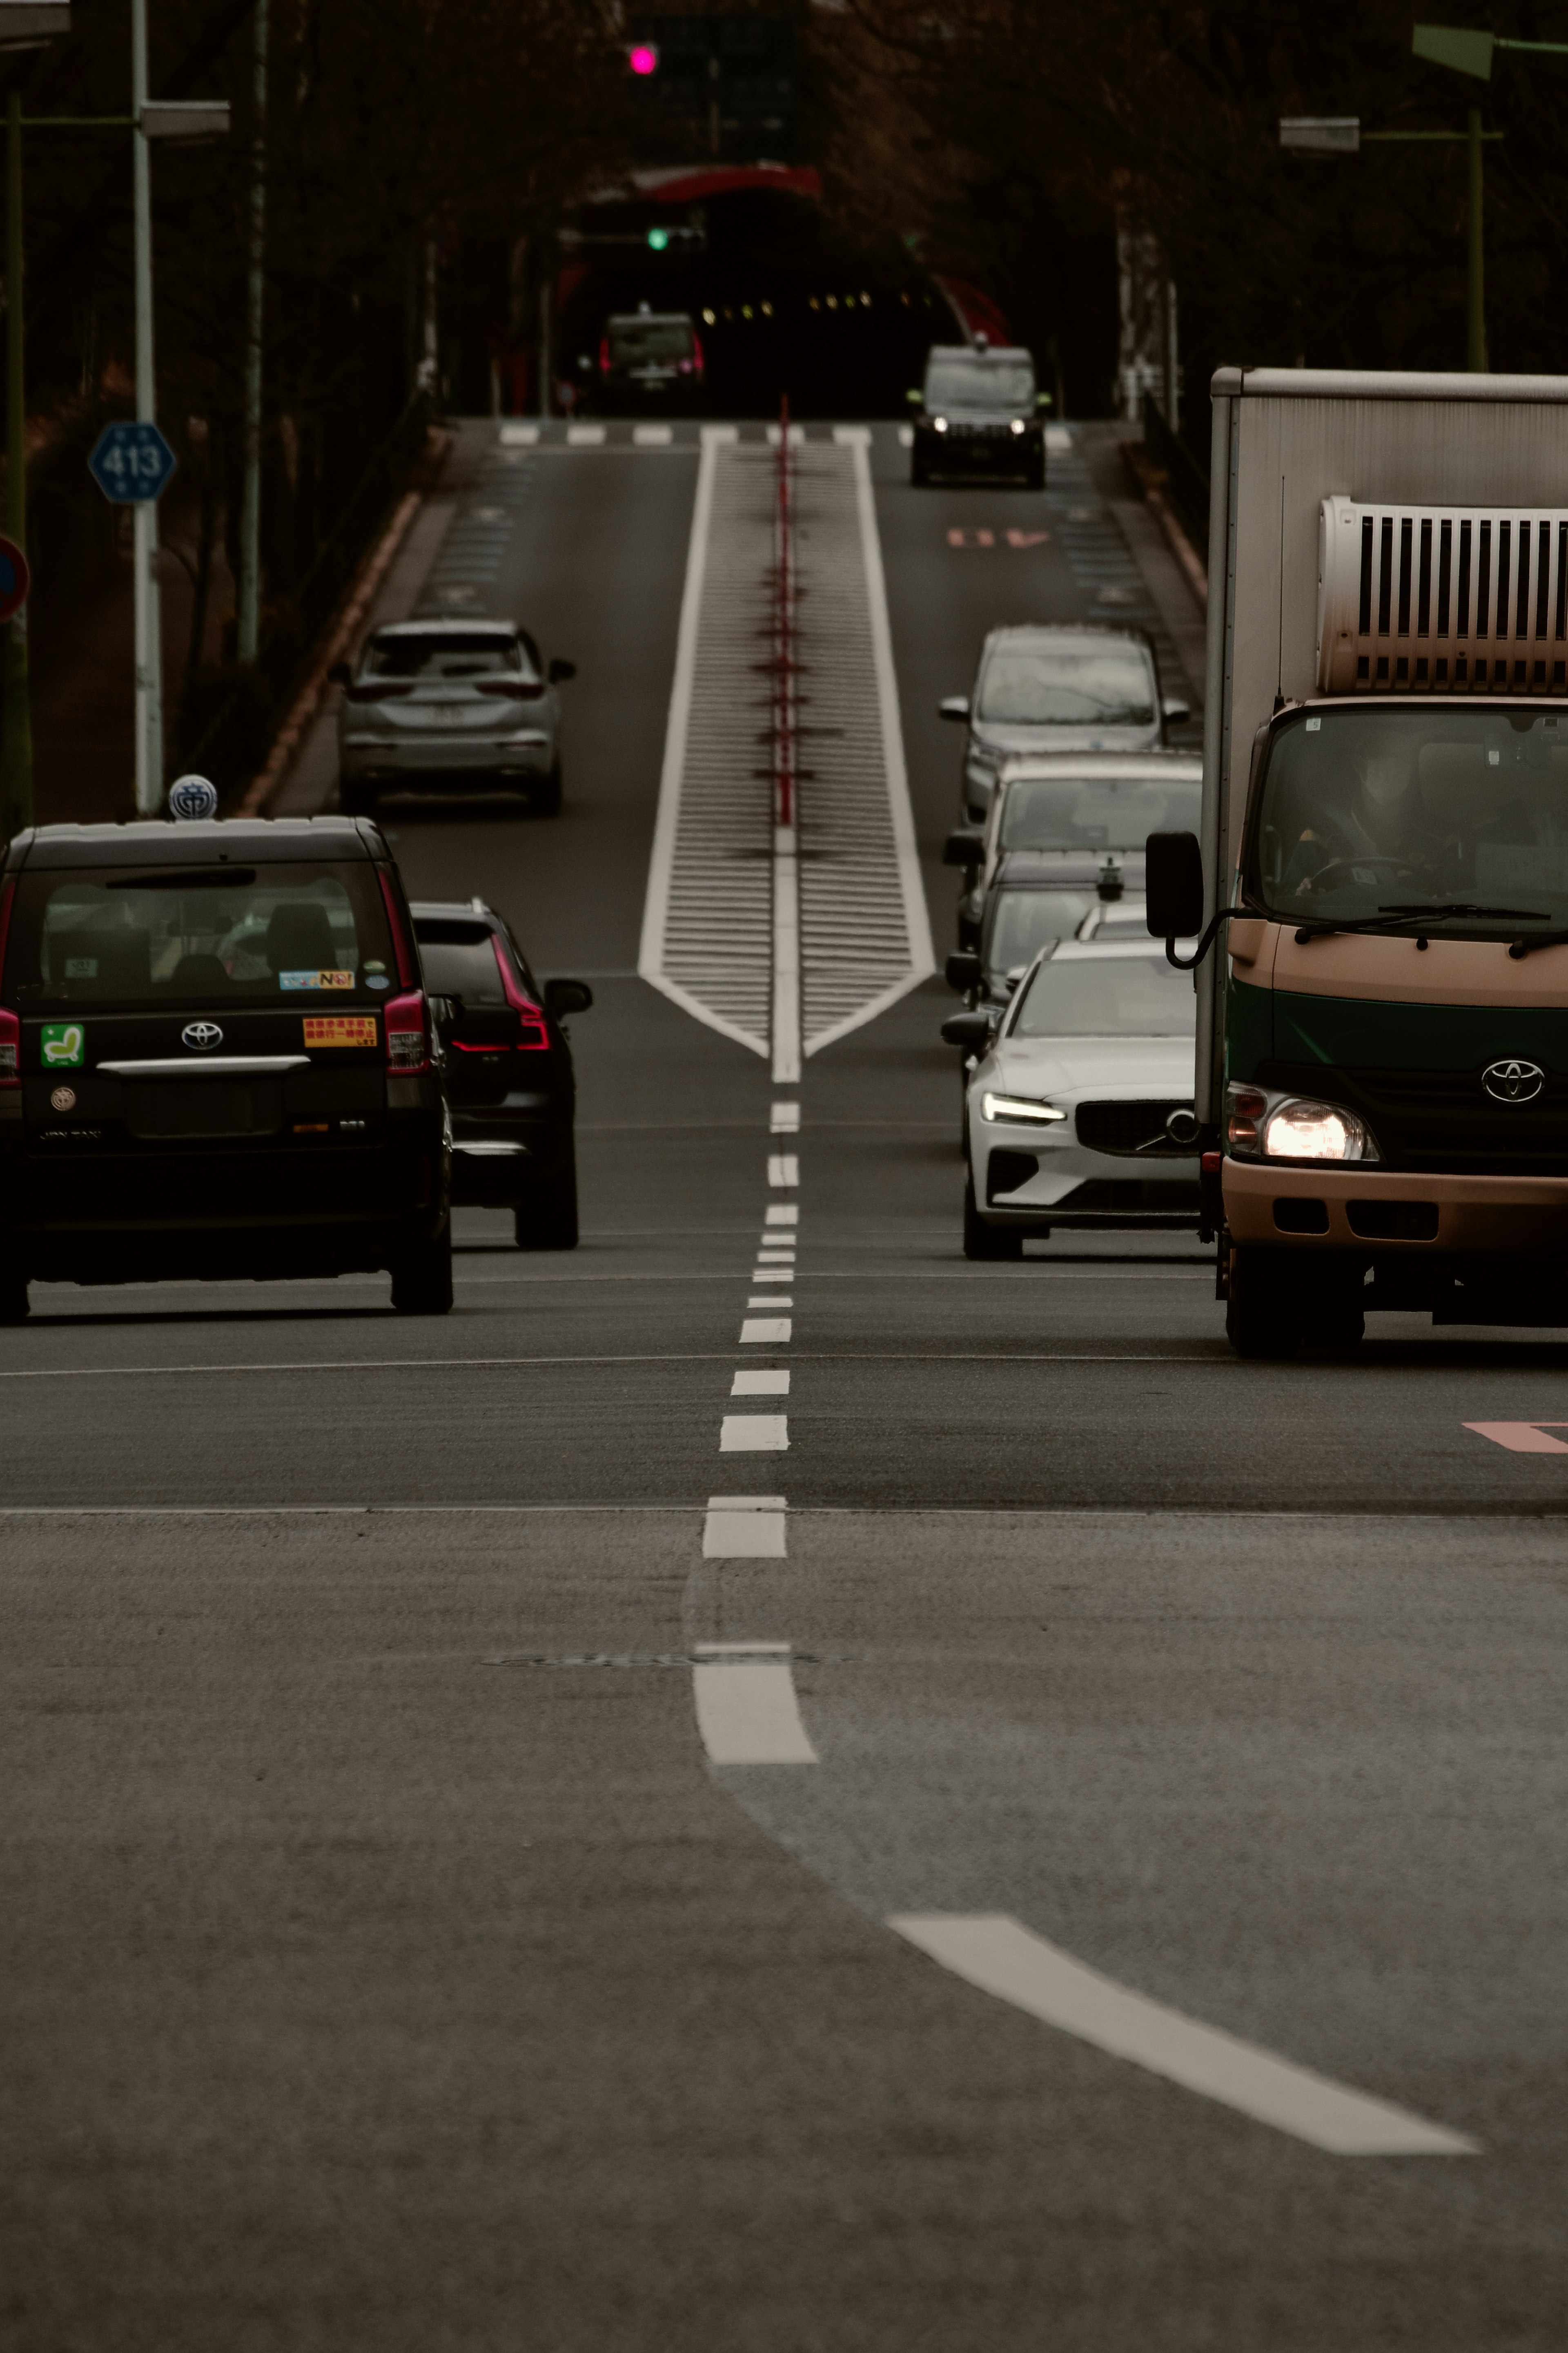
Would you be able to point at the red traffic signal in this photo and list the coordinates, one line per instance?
(643, 58)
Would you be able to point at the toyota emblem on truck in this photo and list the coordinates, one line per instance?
(1513, 1083)
(200, 1036)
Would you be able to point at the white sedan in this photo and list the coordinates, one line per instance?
(1080, 1111)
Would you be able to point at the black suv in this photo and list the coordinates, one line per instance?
(509, 1072)
(216, 1059)
(978, 413)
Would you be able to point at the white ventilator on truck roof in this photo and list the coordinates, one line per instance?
(1447, 599)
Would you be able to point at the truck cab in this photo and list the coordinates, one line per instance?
(1383, 980)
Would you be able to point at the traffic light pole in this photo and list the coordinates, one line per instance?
(148, 632)
(1476, 360)
(17, 730)
(249, 622)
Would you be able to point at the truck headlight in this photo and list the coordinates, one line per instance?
(1264, 1124)
(939, 424)
(1023, 1109)
(1017, 425)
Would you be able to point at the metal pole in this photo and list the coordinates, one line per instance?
(250, 513)
(546, 357)
(16, 735)
(149, 633)
(1477, 361)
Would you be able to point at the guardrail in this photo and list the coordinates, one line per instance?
(1186, 484)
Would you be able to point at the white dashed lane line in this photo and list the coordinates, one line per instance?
(744, 1527)
(774, 1383)
(1003, 1958)
(786, 1119)
(769, 1299)
(754, 1433)
(747, 1712)
(784, 1168)
(781, 1213)
(765, 1332)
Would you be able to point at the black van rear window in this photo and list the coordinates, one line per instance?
(122, 936)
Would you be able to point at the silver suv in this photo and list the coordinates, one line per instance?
(449, 707)
(1058, 687)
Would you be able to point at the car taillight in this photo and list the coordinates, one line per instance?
(696, 352)
(375, 693)
(604, 356)
(516, 689)
(10, 1049)
(407, 1022)
(533, 1034)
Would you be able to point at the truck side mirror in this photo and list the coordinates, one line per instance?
(962, 970)
(953, 706)
(560, 671)
(1174, 885)
(1172, 709)
(965, 848)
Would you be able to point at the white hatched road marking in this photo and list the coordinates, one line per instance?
(714, 878)
(1521, 1437)
(1003, 1958)
(747, 1712)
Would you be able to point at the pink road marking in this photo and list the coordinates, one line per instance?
(1521, 1437)
(955, 539)
(1027, 538)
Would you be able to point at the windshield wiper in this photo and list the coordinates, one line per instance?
(1537, 940)
(1388, 919)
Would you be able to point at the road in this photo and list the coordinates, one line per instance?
(419, 1931)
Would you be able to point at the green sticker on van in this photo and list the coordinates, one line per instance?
(62, 1044)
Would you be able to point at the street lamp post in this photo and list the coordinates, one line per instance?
(24, 24)
(147, 605)
(1341, 134)
(249, 621)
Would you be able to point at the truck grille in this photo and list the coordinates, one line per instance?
(1131, 1128)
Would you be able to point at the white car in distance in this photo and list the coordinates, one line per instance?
(1080, 1108)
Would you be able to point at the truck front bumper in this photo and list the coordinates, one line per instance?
(1335, 1208)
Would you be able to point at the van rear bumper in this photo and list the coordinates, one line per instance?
(1363, 1210)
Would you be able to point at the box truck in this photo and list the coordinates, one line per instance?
(1381, 884)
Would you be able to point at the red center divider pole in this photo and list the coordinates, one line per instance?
(783, 637)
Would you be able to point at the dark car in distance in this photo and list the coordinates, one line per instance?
(217, 1060)
(509, 1079)
(978, 414)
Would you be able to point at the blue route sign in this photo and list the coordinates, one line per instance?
(131, 463)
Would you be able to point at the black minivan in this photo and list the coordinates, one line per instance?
(217, 1060)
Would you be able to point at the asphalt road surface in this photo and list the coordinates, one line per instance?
(1108, 1895)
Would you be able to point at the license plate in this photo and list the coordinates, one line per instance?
(444, 714)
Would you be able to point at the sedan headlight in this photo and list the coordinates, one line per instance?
(1017, 425)
(939, 424)
(1262, 1124)
(1022, 1109)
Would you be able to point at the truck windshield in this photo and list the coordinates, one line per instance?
(118, 937)
(1095, 812)
(1107, 996)
(1362, 811)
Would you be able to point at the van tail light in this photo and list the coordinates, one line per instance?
(534, 1036)
(10, 1049)
(604, 356)
(407, 1022)
(696, 352)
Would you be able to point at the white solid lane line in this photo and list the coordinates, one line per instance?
(747, 1712)
(784, 1119)
(754, 1433)
(743, 1527)
(760, 1385)
(1003, 1958)
(766, 1331)
(781, 1213)
(784, 1168)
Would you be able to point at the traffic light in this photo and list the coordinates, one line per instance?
(658, 239)
(643, 58)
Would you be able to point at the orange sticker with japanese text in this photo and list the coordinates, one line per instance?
(340, 1030)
